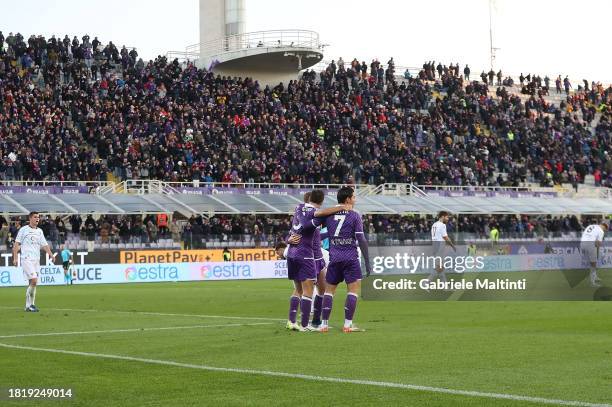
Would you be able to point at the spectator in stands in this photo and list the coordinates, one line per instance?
(567, 85)
(257, 235)
(75, 224)
(124, 231)
(4, 232)
(187, 237)
(105, 233)
(175, 230)
(162, 224)
(90, 233)
(152, 231)
(197, 232)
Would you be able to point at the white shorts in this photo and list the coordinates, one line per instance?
(589, 252)
(438, 248)
(325, 257)
(30, 269)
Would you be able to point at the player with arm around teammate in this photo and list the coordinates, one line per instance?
(590, 245)
(282, 251)
(345, 230)
(300, 257)
(30, 240)
(321, 256)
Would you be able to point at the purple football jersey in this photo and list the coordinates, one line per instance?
(296, 212)
(316, 244)
(342, 229)
(305, 225)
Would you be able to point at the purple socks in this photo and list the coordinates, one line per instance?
(305, 305)
(317, 304)
(349, 306)
(294, 303)
(328, 301)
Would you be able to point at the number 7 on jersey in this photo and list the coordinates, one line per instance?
(340, 219)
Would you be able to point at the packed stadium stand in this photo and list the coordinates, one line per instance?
(62, 120)
(78, 110)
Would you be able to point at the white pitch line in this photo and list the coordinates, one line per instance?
(165, 328)
(442, 390)
(157, 313)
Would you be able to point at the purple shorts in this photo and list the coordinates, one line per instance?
(346, 270)
(319, 265)
(301, 269)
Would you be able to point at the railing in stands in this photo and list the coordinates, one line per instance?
(182, 56)
(162, 187)
(479, 188)
(392, 189)
(45, 183)
(196, 184)
(258, 39)
(397, 189)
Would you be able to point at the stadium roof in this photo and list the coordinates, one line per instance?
(210, 204)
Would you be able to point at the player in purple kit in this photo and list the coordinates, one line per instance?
(345, 230)
(300, 257)
(282, 251)
(320, 267)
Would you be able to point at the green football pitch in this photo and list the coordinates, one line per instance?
(224, 343)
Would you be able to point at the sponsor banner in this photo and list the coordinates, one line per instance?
(207, 190)
(53, 275)
(491, 194)
(43, 190)
(553, 247)
(248, 191)
(150, 272)
(78, 257)
(186, 256)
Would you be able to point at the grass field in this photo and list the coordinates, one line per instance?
(558, 351)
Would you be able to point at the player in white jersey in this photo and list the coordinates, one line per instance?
(30, 240)
(439, 240)
(590, 243)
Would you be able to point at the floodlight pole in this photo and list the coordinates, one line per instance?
(491, 51)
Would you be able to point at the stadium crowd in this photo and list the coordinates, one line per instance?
(194, 233)
(76, 109)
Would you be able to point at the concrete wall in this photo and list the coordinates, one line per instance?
(212, 20)
(267, 65)
(235, 14)
(263, 77)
